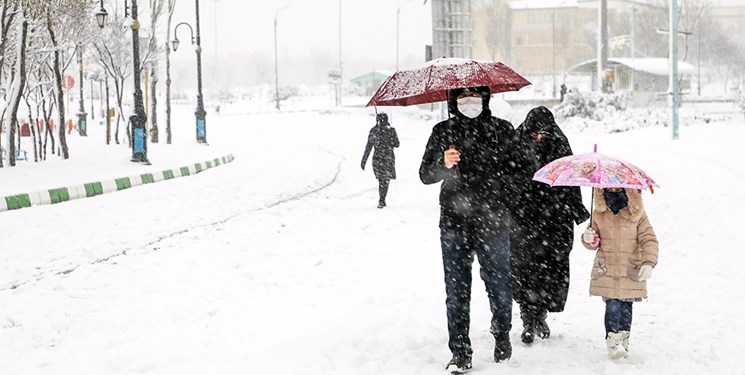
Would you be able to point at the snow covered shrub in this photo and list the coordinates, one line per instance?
(287, 92)
(591, 105)
(606, 113)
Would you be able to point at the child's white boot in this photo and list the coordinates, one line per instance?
(625, 340)
(616, 349)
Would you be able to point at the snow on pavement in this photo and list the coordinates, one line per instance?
(280, 263)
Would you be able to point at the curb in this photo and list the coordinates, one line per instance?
(92, 189)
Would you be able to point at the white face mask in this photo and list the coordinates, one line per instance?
(470, 106)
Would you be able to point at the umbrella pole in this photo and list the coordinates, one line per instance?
(592, 192)
(592, 200)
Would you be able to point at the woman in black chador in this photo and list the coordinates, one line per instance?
(384, 138)
(543, 230)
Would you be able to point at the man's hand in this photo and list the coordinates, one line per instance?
(451, 157)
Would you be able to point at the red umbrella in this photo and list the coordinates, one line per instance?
(430, 82)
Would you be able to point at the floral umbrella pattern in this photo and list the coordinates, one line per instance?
(430, 82)
(596, 170)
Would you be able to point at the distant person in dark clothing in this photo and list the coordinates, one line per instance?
(384, 139)
(563, 92)
(543, 233)
(471, 154)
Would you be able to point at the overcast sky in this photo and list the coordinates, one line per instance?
(311, 27)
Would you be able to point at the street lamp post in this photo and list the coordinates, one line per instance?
(602, 45)
(553, 46)
(398, 27)
(82, 122)
(139, 135)
(107, 114)
(674, 89)
(553, 53)
(176, 42)
(93, 111)
(698, 53)
(633, 42)
(101, 77)
(200, 113)
(341, 79)
(276, 65)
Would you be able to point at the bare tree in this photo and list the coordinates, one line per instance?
(715, 48)
(68, 23)
(39, 84)
(113, 54)
(60, 99)
(18, 83)
(48, 103)
(171, 7)
(497, 30)
(156, 10)
(8, 12)
(647, 20)
(724, 57)
(34, 93)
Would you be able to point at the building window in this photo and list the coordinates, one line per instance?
(455, 6)
(539, 18)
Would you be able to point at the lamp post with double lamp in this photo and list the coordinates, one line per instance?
(276, 65)
(139, 135)
(200, 113)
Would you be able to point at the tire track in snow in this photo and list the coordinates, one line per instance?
(281, 201)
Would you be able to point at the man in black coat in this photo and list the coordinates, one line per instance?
(472, 154)
(384, 139)
(543, 230)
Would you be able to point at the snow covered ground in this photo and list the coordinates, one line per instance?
(279, 262)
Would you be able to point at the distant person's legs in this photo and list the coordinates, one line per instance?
(383, 191)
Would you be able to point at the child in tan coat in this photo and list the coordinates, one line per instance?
(627, 250)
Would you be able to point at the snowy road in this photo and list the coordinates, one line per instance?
(280, 263)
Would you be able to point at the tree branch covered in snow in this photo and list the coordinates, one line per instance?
(113, 53)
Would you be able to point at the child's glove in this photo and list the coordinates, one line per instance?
(645, 272)
(589, 236)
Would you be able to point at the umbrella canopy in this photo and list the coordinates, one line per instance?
(596, 170)
(431, 81)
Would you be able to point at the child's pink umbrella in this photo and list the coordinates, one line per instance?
(596, 170)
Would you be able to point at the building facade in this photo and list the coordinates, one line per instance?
(543, 36)
(452, 29)
(546, 36)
